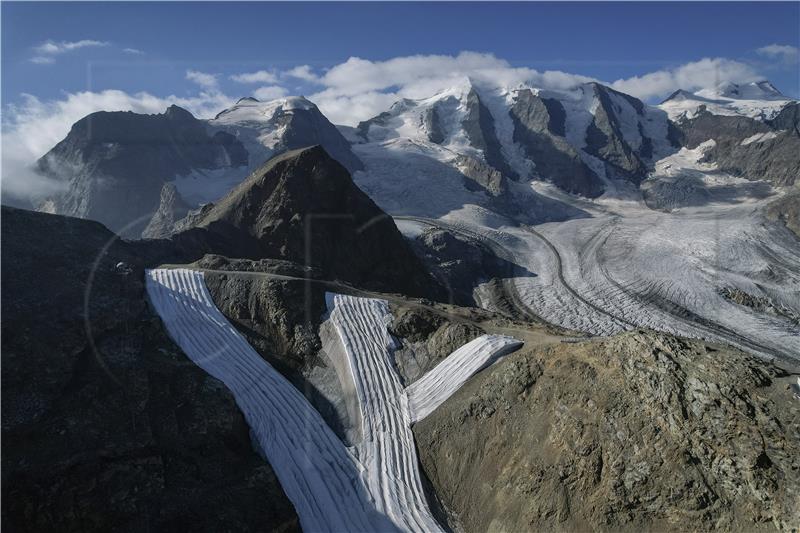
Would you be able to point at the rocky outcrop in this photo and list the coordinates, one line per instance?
(432, 125)
(642, 431)
(747, 147)
(459, 264)
(310, 127)
(478, 125)
(787, 211)
(171, 208)
(114, 164)
(425, 339)
(605, 139)
(303, 207)
(788, 119)
(539, 129)
(106, 425)
(481, 176)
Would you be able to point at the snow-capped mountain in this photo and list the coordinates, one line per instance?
(585, 141)
(115, 164)
(269, 128)
(760, 100)
(471, 144)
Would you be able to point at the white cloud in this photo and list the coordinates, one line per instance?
(302, 72)
(53, 47)
(261, 76)
(782, 52)
(133, 51)
(705, 73)
(203, 79)
(46, 50)
(33, 127)
(359, 88)
(270, 92)
(42, 60)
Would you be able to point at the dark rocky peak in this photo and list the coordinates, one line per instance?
(305, 125)
(479, 127)
(539, 130)
(176, 114)
(114, 164)
(246, 99)
(604, 137)
(302, 206)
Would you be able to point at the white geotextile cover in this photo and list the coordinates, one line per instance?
(380, 489)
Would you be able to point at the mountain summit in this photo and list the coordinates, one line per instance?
(302, 206)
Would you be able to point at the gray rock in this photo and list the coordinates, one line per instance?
(642, 431)
(478, 124)
(171, 208)
(481, 176)
(106, 425)
(539, 129)
(604, 138)
(773, 159)
(787, 211)
(114, 164)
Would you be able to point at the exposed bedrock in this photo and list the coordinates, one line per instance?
(642, 431)
(303, 207)
(478, 125)
(787, 211)
(539, 129)
(112, 428)
(113, 164)
(747, 147)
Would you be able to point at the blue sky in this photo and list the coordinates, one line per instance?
(604, 41)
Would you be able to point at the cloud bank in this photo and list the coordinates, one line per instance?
(782, 52)
(706, 73)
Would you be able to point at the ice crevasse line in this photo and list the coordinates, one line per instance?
(330, 488)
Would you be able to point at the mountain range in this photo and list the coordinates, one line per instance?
(120, 168)
(494, 308)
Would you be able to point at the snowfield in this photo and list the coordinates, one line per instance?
(667, 257)
(374, 486)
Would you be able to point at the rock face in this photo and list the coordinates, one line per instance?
(642, 431)
(115, 164)
(112, 428)
(747, 147)
(539, 129)
(606, 140)
(425, 339)
(303, 207)
(481, 175)
(459, 264)
(479, 127)
(171, 208)
(787, 211)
